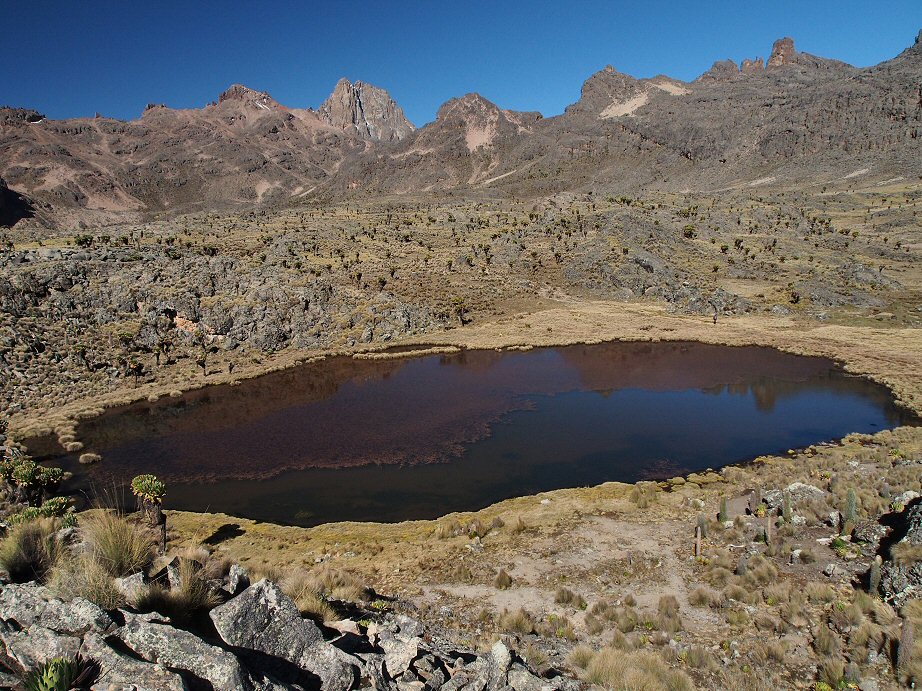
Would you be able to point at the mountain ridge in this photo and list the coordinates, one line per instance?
(793, 114)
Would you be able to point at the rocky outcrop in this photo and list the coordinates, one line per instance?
(748, 67)
(13, 206)
(262, 644)
(783, 53)
(264, 624)
(365, 110)
(902, 580)
(242, 94)
(721, 71)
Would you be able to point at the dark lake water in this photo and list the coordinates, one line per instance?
(391, 440)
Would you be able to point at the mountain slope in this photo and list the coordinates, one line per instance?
(791, 117)
(242, 150)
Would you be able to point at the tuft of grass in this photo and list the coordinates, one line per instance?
(625, 618)
(820, 592)
(565, 596)
(519, 622)
(593, 625)
(705, 597)
(517, 526)
(83, 576)
(826, 643)
(503, 580)
(30, 551)
(635, 671)
(308, 598)
(699, 657)
(668, 618)
(774, 650)
(581, 656)
(312, 591)
(121, 546)
(832, 673)
(189, 597)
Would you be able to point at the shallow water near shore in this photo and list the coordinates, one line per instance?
(411, 438)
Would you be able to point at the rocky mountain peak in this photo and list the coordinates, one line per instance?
(752, 66)
(237, 93)
(365, 109)
(783, 53)
(603, 88)
(465, 106)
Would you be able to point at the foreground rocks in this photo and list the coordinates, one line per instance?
(260, 642)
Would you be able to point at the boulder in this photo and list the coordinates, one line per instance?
(30, 603)
(798, 491)
(398, 654)
(900, 582)
(181, 650)
(131, 587)
(870, 533)
(236, 581)
(122, 672)
(37, 644)
(265, 620)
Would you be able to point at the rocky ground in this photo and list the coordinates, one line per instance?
(171, 305)
(258, 641)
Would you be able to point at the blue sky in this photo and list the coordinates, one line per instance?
(73, 58)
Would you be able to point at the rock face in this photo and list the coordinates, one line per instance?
(263, 645)
(783, 53)
(899, 581)
(13, 207)
(752, 66)
(264, 620)
(721, 71)
(365, 110)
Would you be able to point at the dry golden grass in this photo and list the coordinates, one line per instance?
(639, 671)
(30, 551)
(117, 543)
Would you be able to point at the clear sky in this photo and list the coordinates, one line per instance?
(70, 58)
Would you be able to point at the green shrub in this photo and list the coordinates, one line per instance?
(62, 674)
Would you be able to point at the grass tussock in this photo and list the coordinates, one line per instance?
(699, 657)
(705, 597)
(83, 576)
(313, 590)
(593, 626)
(634, 671)
(668, 619)
(580, 657)
(826, 642)
(518, 621)
(190, 596)
(117, 544)
(503, 580)
(565, 596)
(30, 551)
